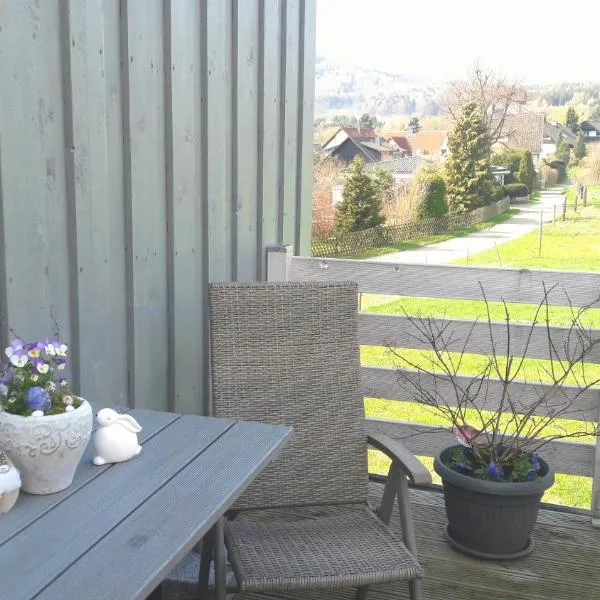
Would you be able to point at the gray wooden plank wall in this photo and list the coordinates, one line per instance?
(147, 147)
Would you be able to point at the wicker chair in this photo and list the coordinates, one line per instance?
(288, 353)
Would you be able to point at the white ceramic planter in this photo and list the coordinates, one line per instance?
(46, 450)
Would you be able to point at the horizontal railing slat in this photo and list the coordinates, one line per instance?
(398, 331)
(386, 383)
(454, 282)
(572, 458)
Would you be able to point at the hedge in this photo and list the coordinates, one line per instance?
(516, 190)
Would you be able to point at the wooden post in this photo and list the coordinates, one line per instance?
(277, 262)
(553, 213)
(541, 234)
(564, 208)
(575, 206)
(585, 191)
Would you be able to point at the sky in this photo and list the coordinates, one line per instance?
(531, 41)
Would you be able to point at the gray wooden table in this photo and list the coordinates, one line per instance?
(120, 529)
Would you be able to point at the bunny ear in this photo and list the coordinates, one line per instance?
(129, 423)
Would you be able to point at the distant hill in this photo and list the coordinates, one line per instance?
(345, 88)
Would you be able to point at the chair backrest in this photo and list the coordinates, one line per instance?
(287, 353)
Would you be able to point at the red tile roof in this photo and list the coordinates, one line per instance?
(354, 132)
(423, 142)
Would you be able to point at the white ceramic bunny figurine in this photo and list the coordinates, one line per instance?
(116, 437)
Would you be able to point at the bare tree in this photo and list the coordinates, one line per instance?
(495, 94)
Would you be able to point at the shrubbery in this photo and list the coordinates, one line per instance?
(433, 204)
(516, 190)
(561, 167)
(549, 175)
(509, 158)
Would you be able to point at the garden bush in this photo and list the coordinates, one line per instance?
(516, 190)
(434, 204)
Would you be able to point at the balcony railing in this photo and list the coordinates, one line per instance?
(451, 282)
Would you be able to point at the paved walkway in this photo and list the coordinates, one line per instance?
(526, 220)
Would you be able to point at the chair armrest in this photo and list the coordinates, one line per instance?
(413, 467)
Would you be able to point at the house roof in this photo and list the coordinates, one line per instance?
(426, 142)
(408, 164)
(498, 170)
(524, 130)
(367, 133)
(591, 124)
(368, 154)
(552, 130)
(375, 146)
(402, 142)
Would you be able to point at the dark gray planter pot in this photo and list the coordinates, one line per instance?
(490, 519)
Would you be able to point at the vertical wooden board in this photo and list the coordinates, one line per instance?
(269, 138)
(98, 195)
(33, 169)
(148, 202)
(290, 147)
(246, 139)
(306, 85)
(188, 226)
(218, 133)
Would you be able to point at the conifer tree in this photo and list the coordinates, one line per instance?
(414, 125)
(360, 207)
(467, 167)
(580, 146)
(526, 173)
(572, 120)
(366, 121)
(562, 151)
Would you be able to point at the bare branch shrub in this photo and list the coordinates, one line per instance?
(550, 176)
(501, 429)
(590, 166)
(327, 172)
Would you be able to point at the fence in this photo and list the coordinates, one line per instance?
(357, 241)
(450, 282)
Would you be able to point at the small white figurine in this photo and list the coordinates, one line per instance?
(116, 437)
(10, 484)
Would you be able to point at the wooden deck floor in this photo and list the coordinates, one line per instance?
(565, 564)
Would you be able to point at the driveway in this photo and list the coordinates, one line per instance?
(526, 220)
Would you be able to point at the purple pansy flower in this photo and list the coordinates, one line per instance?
(6, 375)
(38, 398)
(60, 363)
(34, 350)
(19, 358)
(531, 475)
(535, 461)
(495, 471)
(16, 344)
(41, 366)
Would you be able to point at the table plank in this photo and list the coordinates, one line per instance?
(84, 518)
(134, 557)
(30, 507)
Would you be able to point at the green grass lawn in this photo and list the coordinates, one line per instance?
(572, 245)
(433, 239)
